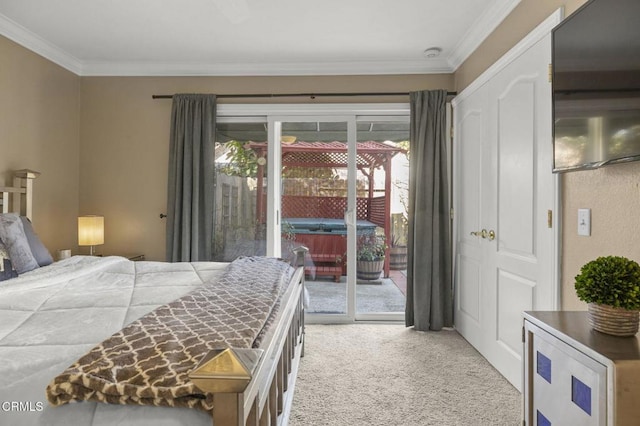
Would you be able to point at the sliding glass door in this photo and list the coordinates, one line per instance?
(331, 182)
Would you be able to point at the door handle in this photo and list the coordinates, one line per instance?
(490, 235)
(350, 218)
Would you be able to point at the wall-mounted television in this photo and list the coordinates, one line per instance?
(596, 86)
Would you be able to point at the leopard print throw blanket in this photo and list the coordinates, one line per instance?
(148, 361)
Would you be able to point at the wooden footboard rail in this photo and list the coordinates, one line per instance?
(267, 398)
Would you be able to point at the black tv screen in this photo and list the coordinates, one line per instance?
(596, 86)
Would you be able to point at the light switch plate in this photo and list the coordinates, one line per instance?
(584, 222)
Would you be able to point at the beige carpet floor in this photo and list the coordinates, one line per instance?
(367, 374)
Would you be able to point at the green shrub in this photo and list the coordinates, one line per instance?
(610, 280)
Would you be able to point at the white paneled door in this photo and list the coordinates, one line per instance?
(505, 200)
(471, 153)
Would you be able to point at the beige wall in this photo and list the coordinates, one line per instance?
(39, 130)
(101, 144)
(125, 140)
(50, 118)
(613, 192)
(613, 195)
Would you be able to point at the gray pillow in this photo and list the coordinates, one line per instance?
(39, 251)
(6, 267)
(13, 236)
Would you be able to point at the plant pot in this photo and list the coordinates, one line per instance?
(369, 269)
(398, 258)
(613, 321)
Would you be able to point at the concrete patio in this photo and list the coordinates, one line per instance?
(383, 295)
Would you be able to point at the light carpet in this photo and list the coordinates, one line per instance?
(369, 374)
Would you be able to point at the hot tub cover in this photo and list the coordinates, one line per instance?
(308, 225)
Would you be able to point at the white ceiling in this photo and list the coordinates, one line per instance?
(251, 37)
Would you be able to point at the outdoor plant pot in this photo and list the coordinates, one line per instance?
(369, 269)
(615, 321)
(398, 258)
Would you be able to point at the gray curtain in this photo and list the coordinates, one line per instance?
(429, 294)
(191, 195)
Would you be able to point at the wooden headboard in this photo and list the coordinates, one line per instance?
(21, 199)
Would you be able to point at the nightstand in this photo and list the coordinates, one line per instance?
(135, 257)
(576, 375)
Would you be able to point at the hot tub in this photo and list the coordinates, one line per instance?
(326, 239)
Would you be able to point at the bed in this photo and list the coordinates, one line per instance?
(54, 317)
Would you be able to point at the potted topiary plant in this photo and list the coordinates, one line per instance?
(611, 287)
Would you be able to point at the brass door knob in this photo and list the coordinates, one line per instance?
(491, 235)
(482, 233)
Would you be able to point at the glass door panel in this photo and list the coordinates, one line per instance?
(383, 183)
(314, 199)
(241, 190)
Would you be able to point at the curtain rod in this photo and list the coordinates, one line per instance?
(306, 95)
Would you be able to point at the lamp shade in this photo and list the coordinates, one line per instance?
(90, 230)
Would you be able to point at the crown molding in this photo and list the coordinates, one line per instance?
(17, 33)
(480, 30)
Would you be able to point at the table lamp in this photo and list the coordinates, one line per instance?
(90, 231)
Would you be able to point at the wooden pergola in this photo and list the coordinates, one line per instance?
(371, 155)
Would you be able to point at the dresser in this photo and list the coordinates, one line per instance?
(574, 375)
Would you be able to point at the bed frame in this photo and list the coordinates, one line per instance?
(267, 398)
(21, 199)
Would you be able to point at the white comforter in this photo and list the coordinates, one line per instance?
(51, 316)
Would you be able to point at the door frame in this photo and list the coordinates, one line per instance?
(273, 115)
(531, 39)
